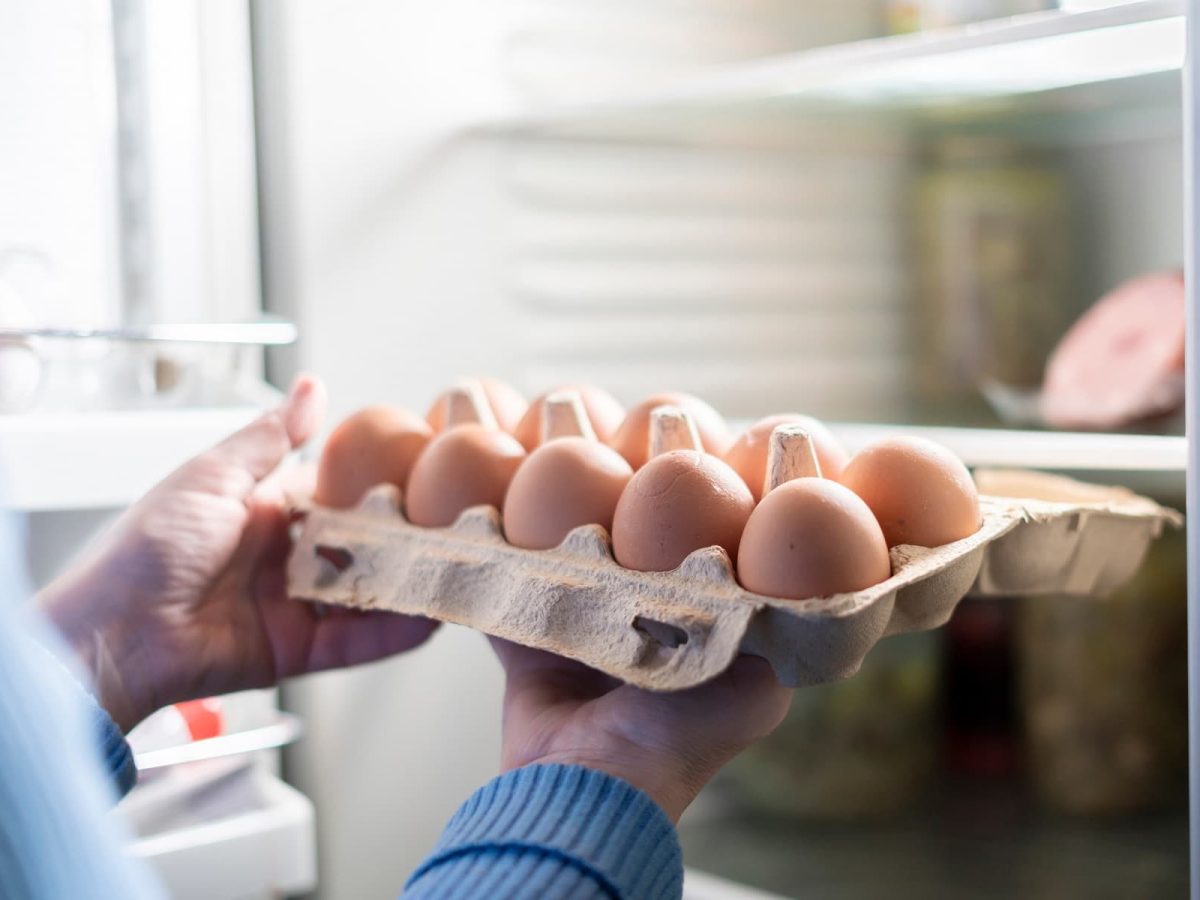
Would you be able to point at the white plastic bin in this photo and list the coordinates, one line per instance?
(265, 849)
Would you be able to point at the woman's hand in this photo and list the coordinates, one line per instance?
(186, 595)
(668, 745)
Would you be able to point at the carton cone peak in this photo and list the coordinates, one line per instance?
(480, 522)
(563, 415)
(467, 403)
(382, 501)
(589, 541)
(707, 564)
(790, 455)
(671, 428)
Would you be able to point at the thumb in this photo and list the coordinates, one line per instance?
(258, 448)
(303, 409)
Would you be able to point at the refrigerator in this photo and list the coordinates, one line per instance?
(882, 214)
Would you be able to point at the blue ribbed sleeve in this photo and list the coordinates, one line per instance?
(57, 838)
(554, 832)
(115, 753)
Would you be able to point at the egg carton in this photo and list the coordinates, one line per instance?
(668, 631)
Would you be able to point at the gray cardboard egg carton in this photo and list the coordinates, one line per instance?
(671, 630)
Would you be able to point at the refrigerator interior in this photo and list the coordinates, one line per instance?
(685, 194)
(613, 192)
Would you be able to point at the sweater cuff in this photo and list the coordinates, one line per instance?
(115, 753)
(603, 830)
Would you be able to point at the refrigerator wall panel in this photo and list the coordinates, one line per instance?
(58, 222)
(187, 160)
(1130, 218)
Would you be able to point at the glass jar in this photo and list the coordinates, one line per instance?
(1103, 685)
(994, 272)
(918, 15)
(859, 748)
(979, 688)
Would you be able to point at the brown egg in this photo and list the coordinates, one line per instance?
(920, 492)
(376, 445)
(632, 439)
(603, 411)
(565, 483)
(748, 455)
(508, 406)
(469, 465)
(811, 537)
(679, 502)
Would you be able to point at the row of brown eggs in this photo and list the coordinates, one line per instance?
(665, 478)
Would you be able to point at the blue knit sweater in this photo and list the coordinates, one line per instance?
(554, 831)
(543, 831)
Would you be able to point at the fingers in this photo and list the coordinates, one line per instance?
(297, 481)
(262, 444)
(751, 696)
(517, 659)
(539, 682)
(752, 676)
(349, 637)
(248, 456)
(303, 409)
(288, 487)
(525, 665)
(714, 720)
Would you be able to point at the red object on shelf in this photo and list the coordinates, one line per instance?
(1122, 362)
(203, 718)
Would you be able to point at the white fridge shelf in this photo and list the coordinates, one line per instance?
(283, 729)
(1076, 451)
(107, 460)
(1004, 57)
(699, 885)
(263, 851)
(102, 460)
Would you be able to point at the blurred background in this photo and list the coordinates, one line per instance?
(877, 212)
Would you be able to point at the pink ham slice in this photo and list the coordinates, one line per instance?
(1123, 360)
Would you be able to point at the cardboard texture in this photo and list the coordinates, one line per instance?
(667, 631)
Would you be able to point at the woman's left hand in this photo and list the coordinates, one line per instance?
(186, 596)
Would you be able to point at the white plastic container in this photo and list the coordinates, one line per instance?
(265, 849)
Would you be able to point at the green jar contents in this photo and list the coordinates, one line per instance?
(861, 748)
(994, 272)
(906, 16)
(1103, 683)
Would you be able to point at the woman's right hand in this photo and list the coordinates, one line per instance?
(186, 595)
(668, 745)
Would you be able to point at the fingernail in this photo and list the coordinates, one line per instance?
(301, 384)
(303, 409)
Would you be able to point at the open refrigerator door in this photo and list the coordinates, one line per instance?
(131, 325)
(209, 812)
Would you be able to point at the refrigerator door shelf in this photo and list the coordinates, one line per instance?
(267, 331)
(280, 732)
(266, 851)
(107, 460)
(699, 885)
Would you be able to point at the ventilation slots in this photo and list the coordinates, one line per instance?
(761, 268)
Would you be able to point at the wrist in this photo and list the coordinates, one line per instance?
(99, 649)
(561, 831)
(671, 787)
